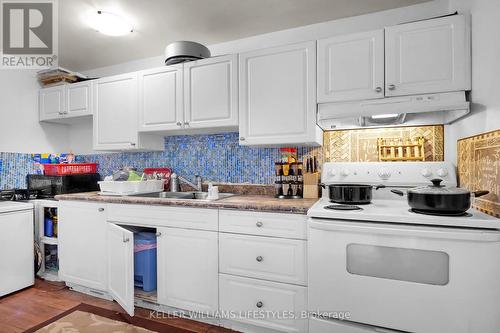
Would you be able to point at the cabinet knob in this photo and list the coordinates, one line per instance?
(179, 123)
(186, 123)
(100, 209)
(158, 234)
(391, 87)
(259, 258)
(259, 304)
(259, 224)
(132, 144)
(378, 89)
(126, 239)
(242, 138)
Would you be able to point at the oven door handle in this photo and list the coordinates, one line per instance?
(407, 231)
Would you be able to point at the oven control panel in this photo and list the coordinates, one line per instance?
(389, 173)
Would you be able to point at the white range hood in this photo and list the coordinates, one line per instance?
(425, 109)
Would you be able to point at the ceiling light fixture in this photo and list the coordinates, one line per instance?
(385, 116)
(110, 24)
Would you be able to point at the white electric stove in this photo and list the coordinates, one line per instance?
(389, 207)
(395, 270)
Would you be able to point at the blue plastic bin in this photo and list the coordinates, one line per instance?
(145, 260)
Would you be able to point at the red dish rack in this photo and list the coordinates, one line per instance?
(69, 169)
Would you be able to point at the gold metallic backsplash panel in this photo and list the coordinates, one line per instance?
(479, 169)
(360, 145)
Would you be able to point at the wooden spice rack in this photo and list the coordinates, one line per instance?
(398, 149)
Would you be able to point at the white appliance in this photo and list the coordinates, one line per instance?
(423, 109)
(182, 51)
(393, 269)
(16, 246)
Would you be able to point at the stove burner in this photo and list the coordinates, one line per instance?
(343, 207)
(423, 212)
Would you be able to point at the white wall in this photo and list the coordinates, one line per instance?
(485, 95)
(20, 130)
(312, 32)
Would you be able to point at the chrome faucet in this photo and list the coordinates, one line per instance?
(175, 180)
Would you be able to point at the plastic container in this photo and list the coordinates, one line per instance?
(48, 226)
(163, 173)
(130, 187)
(69, 169)
(145, 261)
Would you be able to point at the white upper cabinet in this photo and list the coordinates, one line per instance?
(78, 99)
(115, 106)
(200, 94)
(277, 96)
(51, 103)
(428, 56)
(62, 103)
(116, 115)
(160, 99)
(351, 67)
(211, 93)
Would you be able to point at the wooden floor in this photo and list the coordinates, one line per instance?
(32, 306)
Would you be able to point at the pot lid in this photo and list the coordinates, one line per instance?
(437, 188)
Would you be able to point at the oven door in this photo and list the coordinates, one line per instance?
(405, 277)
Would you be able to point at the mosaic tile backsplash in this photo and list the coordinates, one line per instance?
(220, 158)
(13, 170)
(217, 158)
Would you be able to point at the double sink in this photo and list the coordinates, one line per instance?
(200, 196)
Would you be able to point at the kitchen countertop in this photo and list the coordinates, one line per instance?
(239, 202)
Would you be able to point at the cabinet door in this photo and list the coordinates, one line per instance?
(160, 99)
(255, 298)
(82, 244)
(78, 101)
(277, 96)
(351, 67)
(51, 103)
(188, 269)
(211, 92)
(427, 56)
(16, 244)
(121, 266)
(115, 112)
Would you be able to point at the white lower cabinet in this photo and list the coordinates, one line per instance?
(272, 305)
(187, 259)
(82, 244)
(121, 266)
(188, 270)
(259, 281)
(275, 259)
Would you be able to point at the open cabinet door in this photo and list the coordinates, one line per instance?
(121, 266)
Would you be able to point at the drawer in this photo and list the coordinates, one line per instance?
(267, 304)
(275, 259)
(263, 224)
(165, 216)
(317, 325)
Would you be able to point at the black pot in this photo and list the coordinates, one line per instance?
(352, 194)
(439, 199)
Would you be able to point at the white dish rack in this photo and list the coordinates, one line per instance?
(130, 187)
